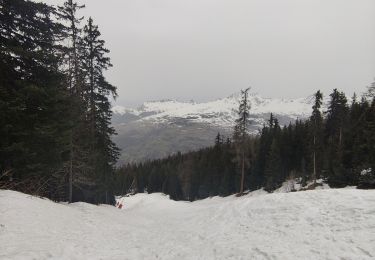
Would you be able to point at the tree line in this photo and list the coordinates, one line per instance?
(337, 145)
(55, 134)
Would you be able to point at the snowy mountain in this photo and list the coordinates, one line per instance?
(158, 128)
(318, 224)
(221, 112)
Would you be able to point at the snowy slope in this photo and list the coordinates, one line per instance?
(322, 224)
(221, 112)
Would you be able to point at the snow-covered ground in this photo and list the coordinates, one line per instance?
(320, 224)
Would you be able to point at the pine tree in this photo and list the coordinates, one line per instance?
(78, 152)
(240, 134)
(172, 186)
(54, 101)
(369, 133)
(32, 97)
(335, 123)
(316, 120)
(103, 151)
(354, 155)
(273, 167)
(218, 140)
(371, 91)
(336, 116)
(68, 13)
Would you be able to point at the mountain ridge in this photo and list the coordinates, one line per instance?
(205, 112)
(159, 128)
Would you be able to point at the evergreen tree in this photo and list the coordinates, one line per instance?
(273, 167)
(336, 121)
(369, 133)
(32, 98)
(103, 152)
(78, 165)
(54, 103)
(172, 186)
(354, 159)
(68, 13)
(218, 140)
(371, 91)
(240, 134)
(316, 120)
(336, 116)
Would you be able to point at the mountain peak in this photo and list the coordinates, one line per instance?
(220, 112)
(159, 128)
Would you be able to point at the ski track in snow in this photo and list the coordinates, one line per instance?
(321, 224)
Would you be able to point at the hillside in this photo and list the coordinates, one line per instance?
(320, 224)
(157, 129)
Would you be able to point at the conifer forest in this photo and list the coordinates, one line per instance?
(336, 145)
(55, 104)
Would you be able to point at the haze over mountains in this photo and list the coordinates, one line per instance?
(159, 128)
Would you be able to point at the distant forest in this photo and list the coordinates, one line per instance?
(337, 145)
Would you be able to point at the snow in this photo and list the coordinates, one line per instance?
(221, 112)
(366, 172)
(123, 110)
(295, 185)
(319, 224)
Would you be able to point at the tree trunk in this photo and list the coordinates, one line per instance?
(314, 176)
(71, 170)
(242, 173)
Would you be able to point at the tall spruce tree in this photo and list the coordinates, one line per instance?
(240, 134)
(78, 166)
(335, 125)
(103, 152)
(218, 140)
(371, 91)
(32, 97)
(273, 167)
(54, 102)
(316, 121)
(68, 13)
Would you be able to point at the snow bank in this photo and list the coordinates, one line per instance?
(295, 185)
(320, 224)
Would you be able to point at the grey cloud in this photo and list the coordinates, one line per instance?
(205, 49)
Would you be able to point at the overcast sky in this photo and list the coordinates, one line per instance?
(207, 49)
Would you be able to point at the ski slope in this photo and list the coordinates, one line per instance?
(320, 224)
